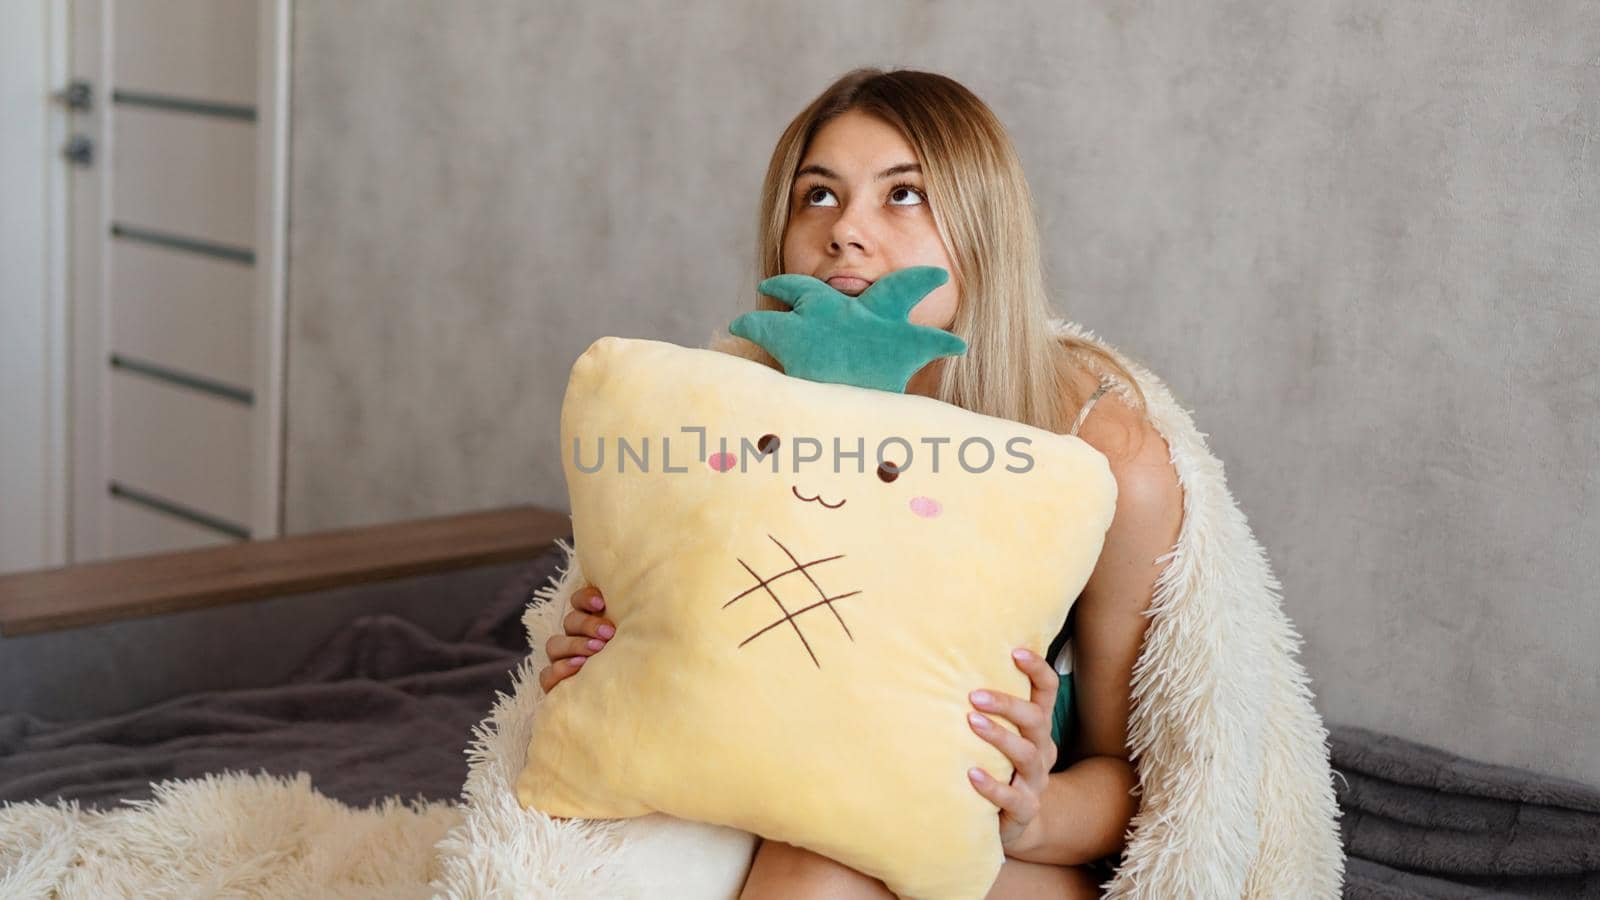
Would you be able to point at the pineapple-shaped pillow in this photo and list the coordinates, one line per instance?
(809, 571)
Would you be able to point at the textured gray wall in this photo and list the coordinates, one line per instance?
(1357, 238)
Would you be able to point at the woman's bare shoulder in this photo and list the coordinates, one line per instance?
(1139, 456)
(1113, 426)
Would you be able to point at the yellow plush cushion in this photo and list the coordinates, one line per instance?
(795, 649)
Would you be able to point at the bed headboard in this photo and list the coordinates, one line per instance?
(93, 593)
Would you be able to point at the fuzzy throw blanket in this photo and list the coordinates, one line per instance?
(1237, 797)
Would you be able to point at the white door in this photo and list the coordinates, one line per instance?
(176, 205)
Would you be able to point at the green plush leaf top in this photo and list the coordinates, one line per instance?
(866, 341)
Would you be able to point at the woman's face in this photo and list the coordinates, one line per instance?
(859, 211)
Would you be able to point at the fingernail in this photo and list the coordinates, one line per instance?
(979, 722)
(578, 661)
(977, 775)
(596, 645)
(607, 632)
(1021, 655)
(596, 603)
(982, 698)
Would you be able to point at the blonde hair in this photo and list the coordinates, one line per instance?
(1015, 367)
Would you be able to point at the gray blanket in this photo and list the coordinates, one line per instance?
(1420, 822)
(383, 708)
(386, 708)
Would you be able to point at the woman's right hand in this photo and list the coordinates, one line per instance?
(587, 631)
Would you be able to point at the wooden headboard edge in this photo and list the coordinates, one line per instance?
(93, 593)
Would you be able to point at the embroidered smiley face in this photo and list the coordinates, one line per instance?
(887, 472)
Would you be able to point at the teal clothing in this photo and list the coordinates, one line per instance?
(1063, 719)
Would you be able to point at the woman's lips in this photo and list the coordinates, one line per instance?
(847, 284)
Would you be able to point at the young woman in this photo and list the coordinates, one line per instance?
(886, 170)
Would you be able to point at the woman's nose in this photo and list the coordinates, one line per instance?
(848, 230)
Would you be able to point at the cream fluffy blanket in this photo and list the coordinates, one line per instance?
(1235, 784)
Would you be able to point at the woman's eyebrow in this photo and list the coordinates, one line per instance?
(825, 172)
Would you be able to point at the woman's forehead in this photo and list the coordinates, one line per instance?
(856, 144)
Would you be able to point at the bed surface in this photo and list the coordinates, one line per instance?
(384, 707)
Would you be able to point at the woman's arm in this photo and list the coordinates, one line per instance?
(1085, 809)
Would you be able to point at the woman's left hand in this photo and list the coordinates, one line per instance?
(1032, 752)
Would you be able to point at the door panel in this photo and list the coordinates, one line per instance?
(182, 446)
(196, 49)
(185, 175)
(188, 311)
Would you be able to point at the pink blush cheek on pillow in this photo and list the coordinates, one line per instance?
(926, 507)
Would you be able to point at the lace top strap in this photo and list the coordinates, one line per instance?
(1105, 385)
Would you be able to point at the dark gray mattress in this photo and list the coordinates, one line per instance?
(386, 708)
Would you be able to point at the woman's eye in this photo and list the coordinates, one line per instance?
(811, 197)
(903, 191)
